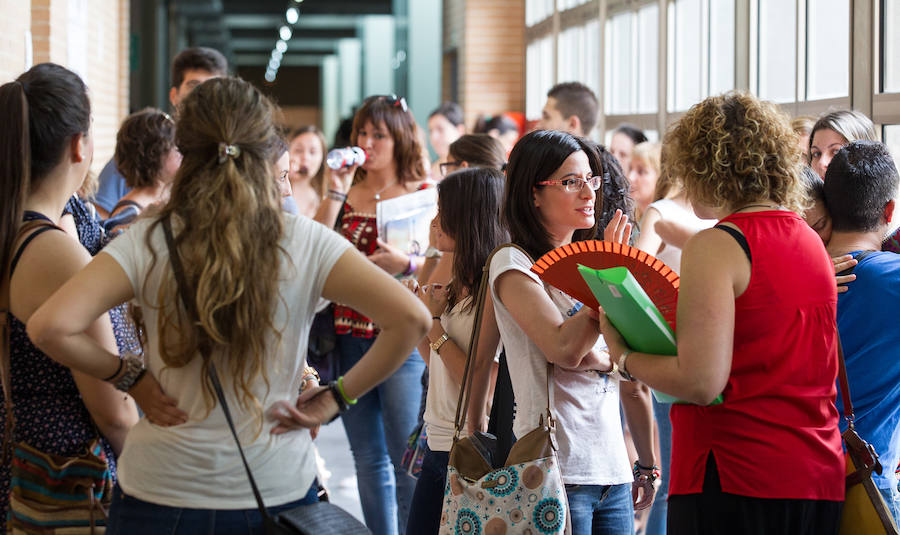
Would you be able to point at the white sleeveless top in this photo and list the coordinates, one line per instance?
(670, 210)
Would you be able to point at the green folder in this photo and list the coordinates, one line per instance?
(631, 311)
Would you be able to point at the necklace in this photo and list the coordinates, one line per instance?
(378, 193)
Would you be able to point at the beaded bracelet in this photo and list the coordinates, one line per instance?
(652, 472)
(337, 195)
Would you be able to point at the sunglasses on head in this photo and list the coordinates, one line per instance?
(393, 100)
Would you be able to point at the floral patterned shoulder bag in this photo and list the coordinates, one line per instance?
(524, 496)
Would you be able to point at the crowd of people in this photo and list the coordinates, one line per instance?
(217, 236)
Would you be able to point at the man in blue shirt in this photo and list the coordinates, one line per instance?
(190, 68)
(860, 189)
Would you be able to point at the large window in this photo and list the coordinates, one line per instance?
(538, 75)
(804, 49)
(632, 51)
(537, 10)
(828, 49)
(891, 46)
(579, 54)
(892, 140)
(700, 50)
(794, 52)
(777, 46)
(567, 4)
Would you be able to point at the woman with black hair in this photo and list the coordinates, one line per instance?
(552, 187)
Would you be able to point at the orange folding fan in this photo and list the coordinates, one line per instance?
(559, 268)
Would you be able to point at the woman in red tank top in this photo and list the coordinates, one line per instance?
(756, 323)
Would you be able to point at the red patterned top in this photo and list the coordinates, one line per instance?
(776, 435)
(360, 229)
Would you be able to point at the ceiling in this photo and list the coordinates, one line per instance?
(247, 30)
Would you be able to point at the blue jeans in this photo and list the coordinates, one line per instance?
(656, 524)
(131, 516)
(428, 500)
(892, 497)
(378, 427)
(601, 509)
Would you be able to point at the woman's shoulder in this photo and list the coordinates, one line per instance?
(511, 259)
(301, 231)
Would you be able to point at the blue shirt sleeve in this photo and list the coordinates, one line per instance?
(112, 187)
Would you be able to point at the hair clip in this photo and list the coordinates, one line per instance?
(168, 117)
(398, 102)
(228, 151)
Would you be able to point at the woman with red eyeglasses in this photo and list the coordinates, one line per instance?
(379, 423)
(554, 188)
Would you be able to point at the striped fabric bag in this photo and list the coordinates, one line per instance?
(51, 494)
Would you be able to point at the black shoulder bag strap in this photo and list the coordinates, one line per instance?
(184, 290)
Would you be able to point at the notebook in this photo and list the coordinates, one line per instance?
(632, 312)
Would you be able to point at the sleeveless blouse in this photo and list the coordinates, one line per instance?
(48, 411)
(776, 434)
(360, 229)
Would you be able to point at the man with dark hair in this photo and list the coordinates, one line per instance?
(190, 68)
(571, 107)
(860, 190)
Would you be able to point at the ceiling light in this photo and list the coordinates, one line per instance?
(274, 64)
(292, 15)
(298, 1)
(285, 33)
(281, 46)
(270, 76)
(277, 55)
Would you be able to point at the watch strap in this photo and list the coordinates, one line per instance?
(436, 345)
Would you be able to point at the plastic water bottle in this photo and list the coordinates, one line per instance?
(345, 157)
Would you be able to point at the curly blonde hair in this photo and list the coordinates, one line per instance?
(733, 150)
(229, 238)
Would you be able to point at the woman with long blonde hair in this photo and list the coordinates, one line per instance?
(252, 277)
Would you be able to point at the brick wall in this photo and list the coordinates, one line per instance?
(14, 23)
(491, 57)
(107, 72)
(88, 36)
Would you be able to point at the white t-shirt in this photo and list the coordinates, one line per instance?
(585, 404)
(670, 210)
(196, 464)
(443, 391)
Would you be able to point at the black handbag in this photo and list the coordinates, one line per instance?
(314, 519)
(321, 349)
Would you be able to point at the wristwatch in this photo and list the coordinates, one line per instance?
(338, 397)
(621, 365)
(436, 345)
